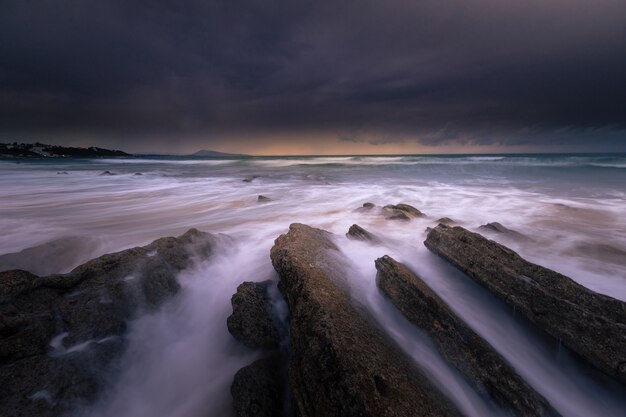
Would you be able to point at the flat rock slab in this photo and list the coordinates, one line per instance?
(460, 346)
(340, 363)
(591, 324)
(60, 332)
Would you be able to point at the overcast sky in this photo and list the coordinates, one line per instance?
(292, 76)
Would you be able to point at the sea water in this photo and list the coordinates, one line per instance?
(181, 359)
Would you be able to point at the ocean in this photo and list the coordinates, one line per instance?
(181, 360)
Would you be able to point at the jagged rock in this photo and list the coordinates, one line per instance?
(356, 232)
(58, 333)
(250, 178)
(53, 257)
(251, 322)
(481, 365)
(340, 363)
(592, 325)
(263, 199)
(401, 212)
(498, 228)
(258, 389)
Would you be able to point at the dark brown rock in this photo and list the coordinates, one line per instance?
(356, 232)
(445, 220)
(397, 215)
(250, 178)
(482, 366)
(263, 199)
(251, 322)
(592, 325)
(340, 363)
(401, 212)
(60, 332)
(258, 389)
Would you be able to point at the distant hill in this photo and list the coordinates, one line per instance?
(206, 153)
(40, 150)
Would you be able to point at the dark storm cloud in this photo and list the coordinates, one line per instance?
(480, 72)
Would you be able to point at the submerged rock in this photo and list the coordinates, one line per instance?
(366, 207)
(251, 322)
(498, 228)
(445, 220)
(258, 389)
(481, 365)
(263, 199)
(600, 251)
(591, 324)
(401, 212)
(105, 173)
(340, 363)
(250, 178)
(356, 232)
(52, 257)
(59, 333)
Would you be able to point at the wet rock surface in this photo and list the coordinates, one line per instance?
(340, 364)
(401, 212)
(356, 232)
(258, 389)
(59, 333)
(251, 322)
(263, 199)
(460, 346)
(591, 324)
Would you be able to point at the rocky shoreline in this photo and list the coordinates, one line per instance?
(59, 333)
(41, 150)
